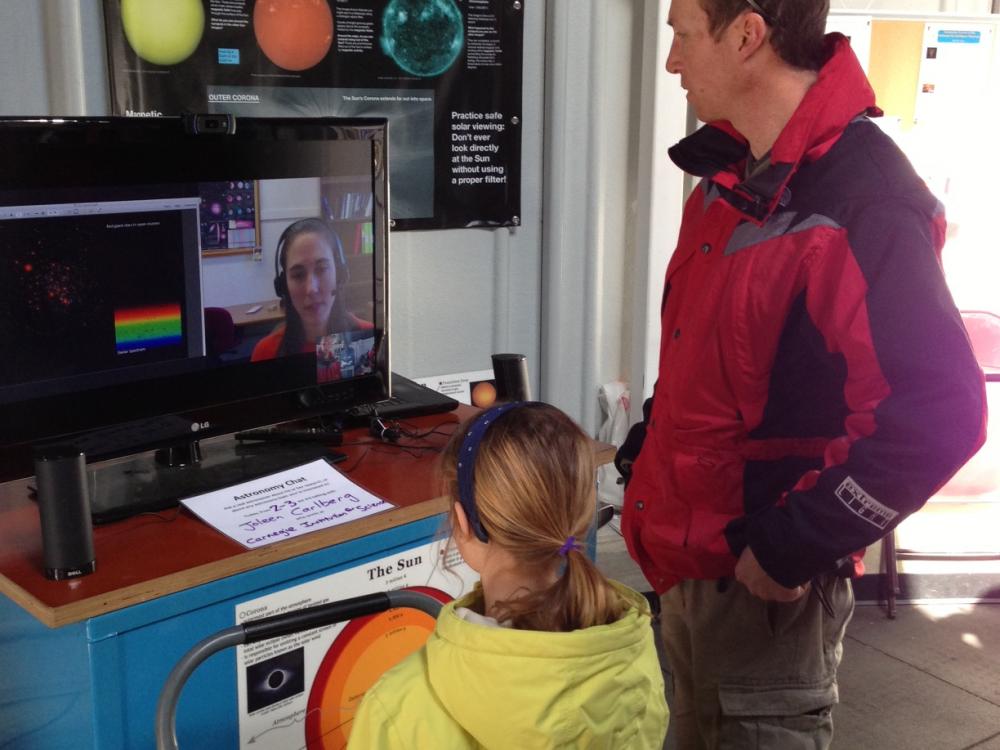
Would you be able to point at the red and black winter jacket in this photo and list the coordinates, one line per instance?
(816, 383)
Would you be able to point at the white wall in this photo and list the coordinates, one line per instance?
(663, 120)
(22, 50)
(613, 197)
(52, 58)
(588, 146)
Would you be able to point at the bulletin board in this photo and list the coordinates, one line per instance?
(894, 67)
(446, 73)
(955, 65)
(230, 218)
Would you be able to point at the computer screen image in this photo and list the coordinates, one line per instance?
(132, 252)
(95, 289)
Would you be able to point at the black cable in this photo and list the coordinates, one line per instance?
(383, 444)
(411, 450)
(376, 441)
(383, 447)
(355, 465)
(420, 435)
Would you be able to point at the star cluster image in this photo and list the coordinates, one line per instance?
(47, 289)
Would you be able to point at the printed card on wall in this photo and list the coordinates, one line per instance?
(476, 388)
(448, 79)
(302, 690)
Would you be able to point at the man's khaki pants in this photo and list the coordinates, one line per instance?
(749, 673)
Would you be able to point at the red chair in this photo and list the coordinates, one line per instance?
(978, 478)
(220, 331)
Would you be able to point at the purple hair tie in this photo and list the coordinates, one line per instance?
(568, 546)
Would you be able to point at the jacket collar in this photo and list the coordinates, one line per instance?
(718, 152)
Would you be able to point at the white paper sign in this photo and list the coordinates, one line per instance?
(284, 505)
(476, 388)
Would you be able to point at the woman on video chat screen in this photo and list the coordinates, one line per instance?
(310, 269)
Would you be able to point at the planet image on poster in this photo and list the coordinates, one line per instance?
(293, 34)
(358, 656)
(423, 37)
(163, 33)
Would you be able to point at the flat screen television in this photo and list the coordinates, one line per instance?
(168, 280)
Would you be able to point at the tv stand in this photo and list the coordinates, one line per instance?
(179, 455)
(155, 481)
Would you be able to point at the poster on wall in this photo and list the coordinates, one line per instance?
(302, 690)
(446, 73)
(954, 76)
(954, 96)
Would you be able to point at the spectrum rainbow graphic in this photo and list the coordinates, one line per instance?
(140, 328)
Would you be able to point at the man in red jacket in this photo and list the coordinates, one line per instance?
(816, 384)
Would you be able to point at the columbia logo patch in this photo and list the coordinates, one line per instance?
(864, 505)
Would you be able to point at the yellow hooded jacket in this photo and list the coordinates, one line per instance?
(476, 686)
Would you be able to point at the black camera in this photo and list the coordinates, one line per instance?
(211, 124)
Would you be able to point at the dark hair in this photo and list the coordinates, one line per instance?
(534, 488)
(797, 26)
(339, 320)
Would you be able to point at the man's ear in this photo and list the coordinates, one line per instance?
(752, 33)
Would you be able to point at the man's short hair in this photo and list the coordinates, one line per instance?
(797, 26)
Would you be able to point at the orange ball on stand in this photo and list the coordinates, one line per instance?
(484, 394)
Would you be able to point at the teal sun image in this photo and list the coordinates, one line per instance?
(423, 37)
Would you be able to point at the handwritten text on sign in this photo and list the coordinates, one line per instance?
(280, 506)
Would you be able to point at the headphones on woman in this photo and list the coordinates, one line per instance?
(305, 226)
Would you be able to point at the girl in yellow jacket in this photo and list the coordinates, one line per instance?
(546, 652)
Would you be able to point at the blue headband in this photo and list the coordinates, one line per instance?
(467, 463)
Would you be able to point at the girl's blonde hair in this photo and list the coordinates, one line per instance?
(534, 479)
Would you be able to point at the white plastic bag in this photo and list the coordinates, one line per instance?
(614, 400)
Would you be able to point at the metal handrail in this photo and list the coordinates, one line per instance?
(272, 627)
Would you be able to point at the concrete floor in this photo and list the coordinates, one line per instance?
(929, 679)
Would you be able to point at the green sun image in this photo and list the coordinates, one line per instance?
(423, 37)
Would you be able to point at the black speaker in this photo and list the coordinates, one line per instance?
(511, 374)
(64, 509)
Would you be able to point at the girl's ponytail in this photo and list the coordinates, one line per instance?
(534, 479)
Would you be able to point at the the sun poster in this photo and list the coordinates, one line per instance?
(302, 690)
(446, 74)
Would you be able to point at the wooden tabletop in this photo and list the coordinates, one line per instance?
(152, 555)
